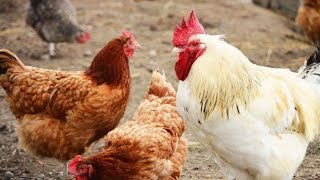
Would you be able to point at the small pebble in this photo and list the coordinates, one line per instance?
(170, 15)
(87, 53)
(153, 53)
(29, 34)
(42, 175)
(3, 127)
(153, 28)
(166, 42)
(8, 175)
(45, 57)
(99, 14)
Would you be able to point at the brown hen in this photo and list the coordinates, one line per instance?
(149, 147)
(308, 19)
(60, 113)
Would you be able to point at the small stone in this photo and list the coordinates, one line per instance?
(3, 127)
(166, 42)
(87, 53)
(153, 53)
(2, 93)
(170, 15)
(27, 171)
(42, 175)
(8, 175)
(196, 168)
(45, 57)
(153, 28)
(209, 176)
(100, 14)
(29, 34)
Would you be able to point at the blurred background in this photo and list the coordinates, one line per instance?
(264, 30)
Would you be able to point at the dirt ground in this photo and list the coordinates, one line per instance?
(265, 37)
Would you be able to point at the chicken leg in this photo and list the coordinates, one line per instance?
(51, 50)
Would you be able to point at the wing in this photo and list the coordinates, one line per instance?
(287, 102)
(44, 91)
(52, 10)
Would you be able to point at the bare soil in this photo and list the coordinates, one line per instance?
(264, 36)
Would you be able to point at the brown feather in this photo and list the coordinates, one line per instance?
(150, 146)
(110, 65)
(308, 18)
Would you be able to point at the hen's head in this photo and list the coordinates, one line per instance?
(80, 170)
(189, 47)
(82, 37)
(130, 43)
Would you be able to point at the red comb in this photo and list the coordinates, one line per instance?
(183, 33)
(73, 164)
(126, 33)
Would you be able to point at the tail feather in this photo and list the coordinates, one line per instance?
(7, 60)
(311, 69)
(314, 58)
(159, 86)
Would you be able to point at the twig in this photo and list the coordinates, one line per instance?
(135, 75)
(268, 55)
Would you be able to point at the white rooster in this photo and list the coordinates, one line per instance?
(256, 121)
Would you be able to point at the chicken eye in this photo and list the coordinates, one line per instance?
(194, 43)
(130, 43)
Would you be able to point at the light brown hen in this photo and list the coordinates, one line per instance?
(149, 147)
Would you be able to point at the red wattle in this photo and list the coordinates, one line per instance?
(185, 62)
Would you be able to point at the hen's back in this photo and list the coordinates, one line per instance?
(150, 146)
(308, 18)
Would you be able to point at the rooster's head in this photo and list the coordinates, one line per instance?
(189, 49)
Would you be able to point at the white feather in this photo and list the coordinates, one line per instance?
(258, 142)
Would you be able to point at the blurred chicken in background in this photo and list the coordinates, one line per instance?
(55, 21)
(308, 19)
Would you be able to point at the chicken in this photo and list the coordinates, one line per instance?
(55, 21)
(308, 18)
(60, 113)
(257, 121)
(150, 146)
